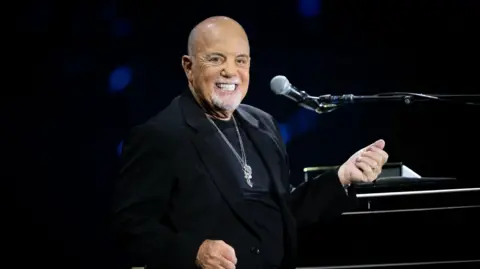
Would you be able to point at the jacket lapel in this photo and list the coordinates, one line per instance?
(220, 166)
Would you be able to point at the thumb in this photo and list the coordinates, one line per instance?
(380, 143)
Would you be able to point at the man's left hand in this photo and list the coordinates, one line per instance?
(365, 165)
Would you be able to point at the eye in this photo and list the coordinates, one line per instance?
(215, 59)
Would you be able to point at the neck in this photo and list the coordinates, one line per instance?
(216, 114)
(220, 116)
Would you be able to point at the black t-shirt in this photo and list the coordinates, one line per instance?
(259, 198)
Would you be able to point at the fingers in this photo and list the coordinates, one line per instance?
(367, 171)
(216, 254)
(226, 264)
(368, 164)
(371, 162)
(220, 263)
(229, 253)
(227, 259)
(377, 154)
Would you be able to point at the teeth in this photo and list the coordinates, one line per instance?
(226, 86)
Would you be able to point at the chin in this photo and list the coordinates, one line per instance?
(229, 103)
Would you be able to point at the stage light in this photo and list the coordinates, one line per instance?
(120, 148)
(284, 132)
(309, 8)
(120, 78)
(300, 123)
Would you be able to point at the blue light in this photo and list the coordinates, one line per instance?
(120, 148)
(309, 8)
(304, 120)
(120, 78)
(300, 123)
(284, 132)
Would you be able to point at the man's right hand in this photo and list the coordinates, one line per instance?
(216, 254)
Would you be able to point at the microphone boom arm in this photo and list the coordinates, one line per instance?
(350, 98)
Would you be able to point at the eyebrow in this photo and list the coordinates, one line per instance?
(222, 55)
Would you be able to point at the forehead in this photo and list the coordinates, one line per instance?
(223, 41)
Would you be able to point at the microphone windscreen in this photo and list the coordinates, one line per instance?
(280, 85)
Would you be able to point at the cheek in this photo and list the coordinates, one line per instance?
(204, 79)
(245, 76)
(199, 77)
(208, 75)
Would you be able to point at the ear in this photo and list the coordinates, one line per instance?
(187, 64)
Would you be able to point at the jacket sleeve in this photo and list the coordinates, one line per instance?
(321, 198)
(141, 199)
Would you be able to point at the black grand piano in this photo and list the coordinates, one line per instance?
(403, 220)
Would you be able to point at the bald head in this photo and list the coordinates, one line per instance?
(208, 28)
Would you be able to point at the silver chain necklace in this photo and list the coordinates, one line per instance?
(247, 170)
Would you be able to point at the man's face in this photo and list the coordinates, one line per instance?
(219, 70)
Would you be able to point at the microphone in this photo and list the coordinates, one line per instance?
(281, 86)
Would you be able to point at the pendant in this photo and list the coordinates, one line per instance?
(247, 171)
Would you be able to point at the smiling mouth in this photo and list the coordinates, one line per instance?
(228, 87)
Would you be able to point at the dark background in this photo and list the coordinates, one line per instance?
(87, 71)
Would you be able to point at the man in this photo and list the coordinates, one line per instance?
(205, 183)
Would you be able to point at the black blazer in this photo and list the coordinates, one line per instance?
(173, 191)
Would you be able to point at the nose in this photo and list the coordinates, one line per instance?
(230, 69)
